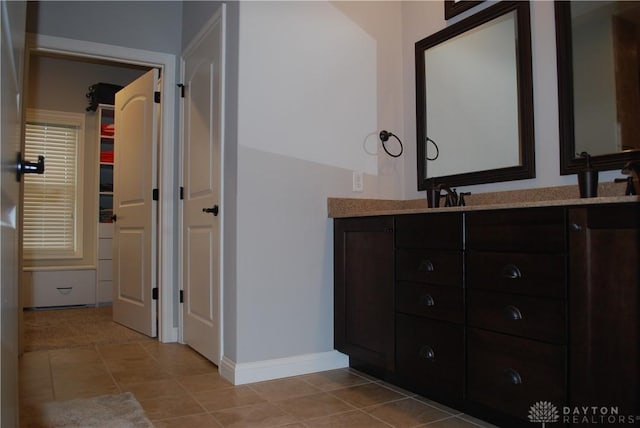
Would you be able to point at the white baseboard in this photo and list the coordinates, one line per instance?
(242, 373)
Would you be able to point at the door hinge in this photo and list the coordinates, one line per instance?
(181, 193)
(156, 97)
(181, 296)
(181, 86)
(154, 293)
(155, 195)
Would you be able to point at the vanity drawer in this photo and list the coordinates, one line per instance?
(438, 231)
(530, 317)
(433, 301)
(432, 266)
(511, 374)
(430, 355)
(533, 274)
(530, 230)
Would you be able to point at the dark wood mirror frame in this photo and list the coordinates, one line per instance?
(526, 169)
(570, 163)
(453, 7)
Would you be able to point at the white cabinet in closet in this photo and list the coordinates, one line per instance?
(105, 200)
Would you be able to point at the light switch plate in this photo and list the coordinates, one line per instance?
(358, 181)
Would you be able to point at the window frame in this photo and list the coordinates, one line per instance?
(62, 118)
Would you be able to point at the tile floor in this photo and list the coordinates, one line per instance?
(179, 388)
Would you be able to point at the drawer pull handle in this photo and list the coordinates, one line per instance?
(426, 353)
(427, 300)
(511, 272)
(512, 377)
(512, 313)
(64, 290)
(576, 227)
(425, 266)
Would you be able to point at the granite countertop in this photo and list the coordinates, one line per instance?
(543, 197)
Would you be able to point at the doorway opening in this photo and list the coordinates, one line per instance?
(60, 84)
(134, 62)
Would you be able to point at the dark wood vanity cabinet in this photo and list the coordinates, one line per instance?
(430, 305)
(493, 311)
(364, 317)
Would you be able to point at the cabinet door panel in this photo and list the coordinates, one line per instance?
(433, 301)
(430, 356)
(364, 289)
(530, 317)
(512, 374)
(430, 266)
(605, 305)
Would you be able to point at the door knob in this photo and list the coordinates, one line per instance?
(214, 210)
(25, 167)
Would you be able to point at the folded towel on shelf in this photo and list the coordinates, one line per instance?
(107, 129)
(106, 156)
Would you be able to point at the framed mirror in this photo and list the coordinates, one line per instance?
(598, 51)
(474, 99)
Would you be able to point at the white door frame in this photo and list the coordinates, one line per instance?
(167, 332)
(220, 15)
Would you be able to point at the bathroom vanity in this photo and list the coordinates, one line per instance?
(492, 310)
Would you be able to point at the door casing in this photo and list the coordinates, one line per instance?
(168, 292)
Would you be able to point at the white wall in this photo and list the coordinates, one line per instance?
(317, 81)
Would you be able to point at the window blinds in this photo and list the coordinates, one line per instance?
(50, 199)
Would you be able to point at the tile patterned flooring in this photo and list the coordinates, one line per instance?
(179, 388)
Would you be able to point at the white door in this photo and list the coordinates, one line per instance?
(202, 136)
(11, 56)
(134, 178)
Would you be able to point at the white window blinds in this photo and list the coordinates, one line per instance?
(52, 210)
